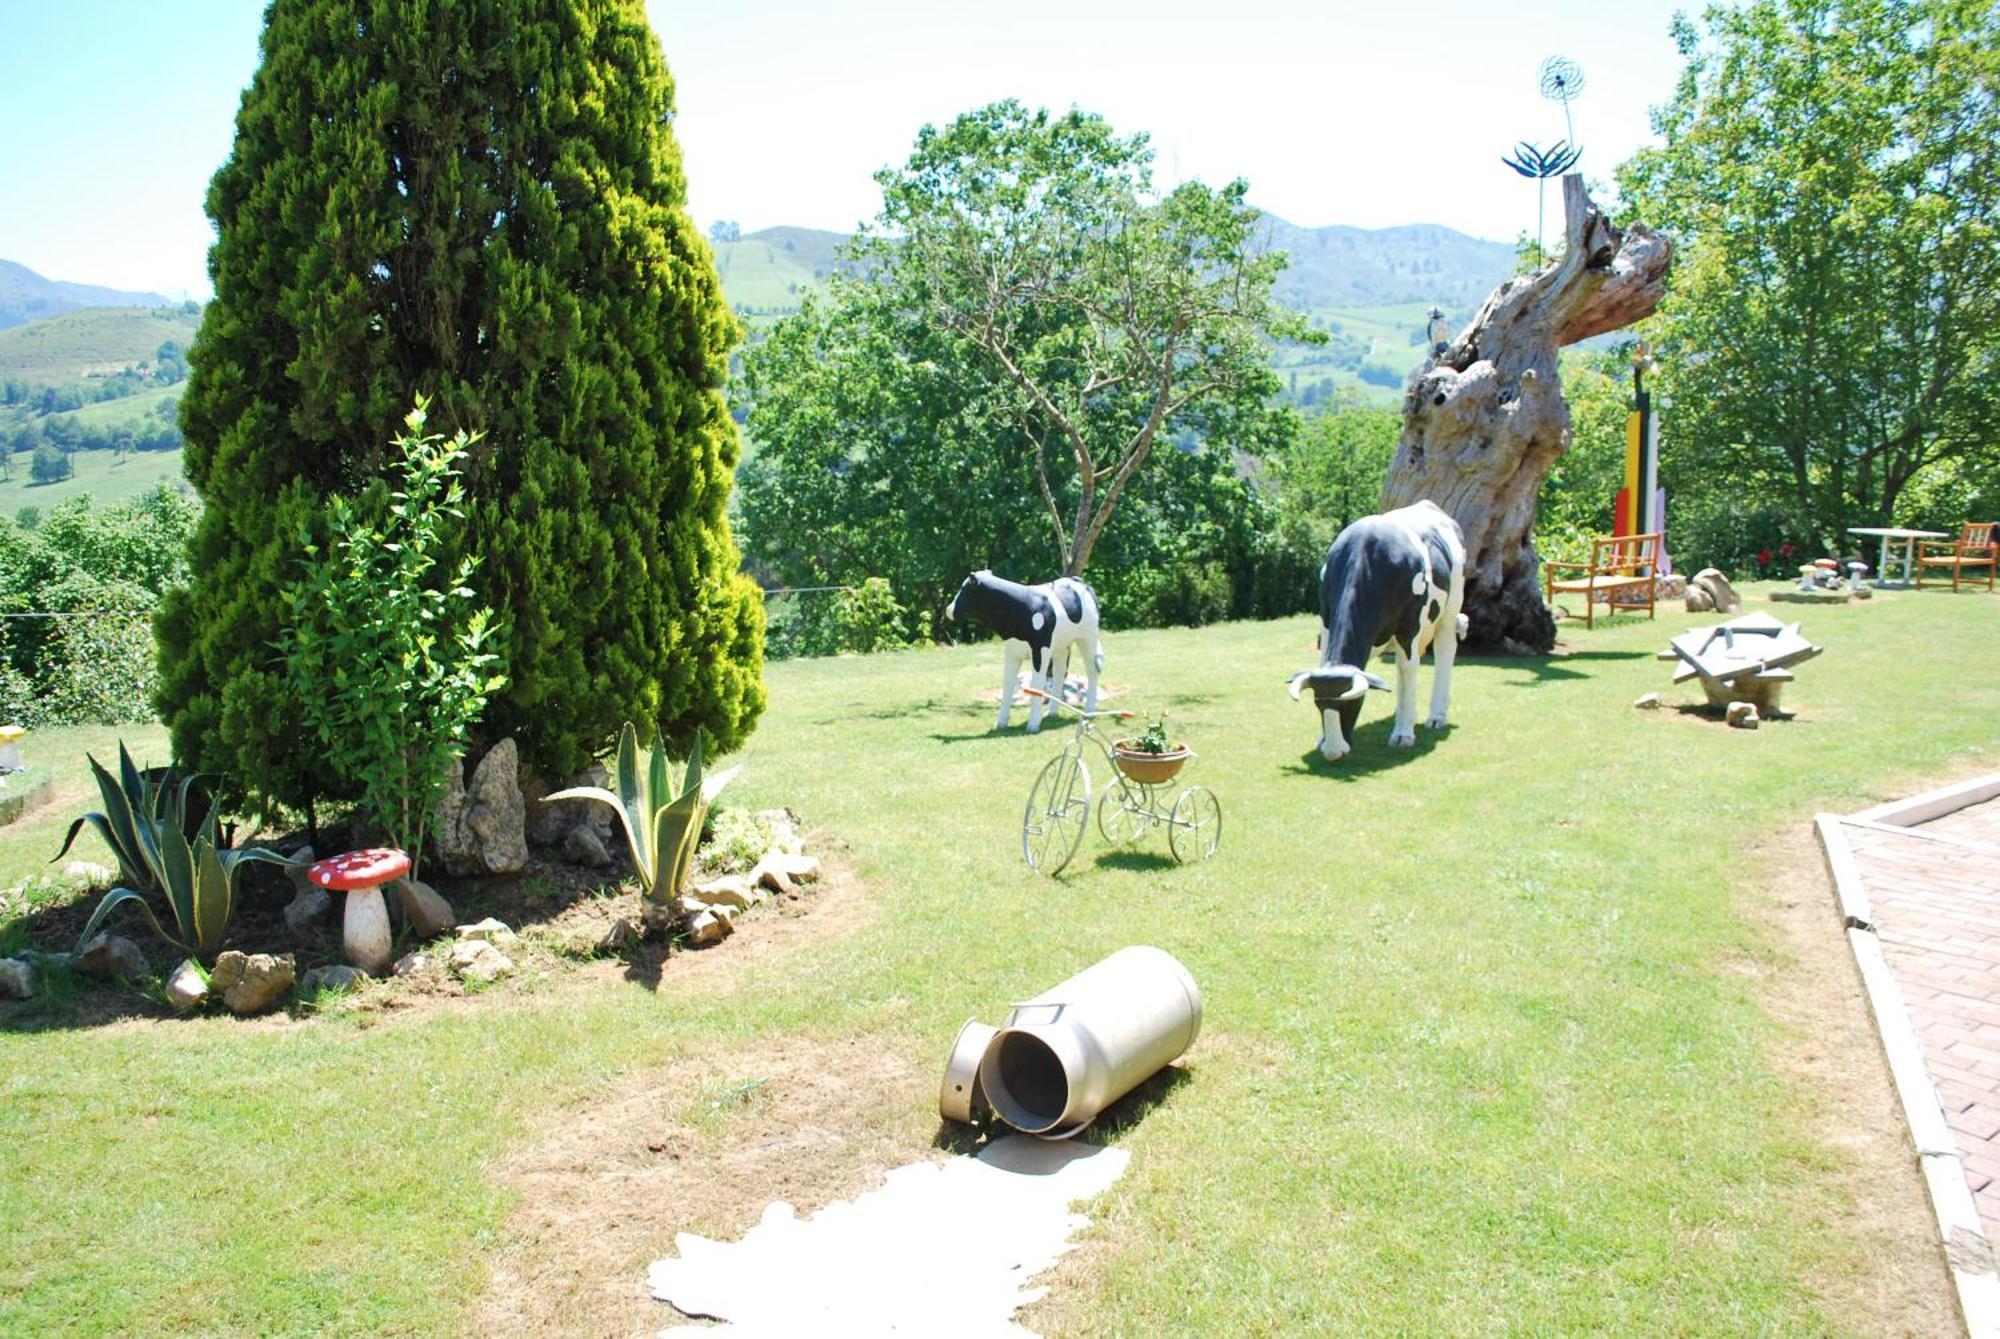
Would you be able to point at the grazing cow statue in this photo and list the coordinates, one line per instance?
(1041, 622)
(1398, 577)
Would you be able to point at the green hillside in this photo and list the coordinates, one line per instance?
(92, 341)
(26, 296)
(1370, 289)
(105, 475)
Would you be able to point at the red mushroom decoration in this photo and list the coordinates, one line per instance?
(364, 928)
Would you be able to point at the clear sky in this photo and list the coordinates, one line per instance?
(114, 113)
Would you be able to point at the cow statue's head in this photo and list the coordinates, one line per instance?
(1337, 691)
(951, 610)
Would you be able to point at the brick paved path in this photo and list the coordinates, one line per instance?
(1935, 893)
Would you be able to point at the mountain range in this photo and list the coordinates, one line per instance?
(26, 296)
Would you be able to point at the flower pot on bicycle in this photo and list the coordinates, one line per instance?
(1149, 769)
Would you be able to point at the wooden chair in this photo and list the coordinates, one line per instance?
(1973, 548)
(1622, 569)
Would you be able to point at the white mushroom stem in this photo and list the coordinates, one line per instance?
(364, 930)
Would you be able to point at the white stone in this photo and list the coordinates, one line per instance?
(491, 930)
(1648, 702)
(782, 872)
(311, 907)
(936, 1249)
(252, 982)
(111, 957)
(186, 988)
(90, 874)
(426, 912)
(339, 977)
(477, 960)
(730, 890)
(1743, 715)
(414, 964)
(17, 979)
(706, 926)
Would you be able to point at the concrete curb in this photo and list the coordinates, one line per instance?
(1968, 1254)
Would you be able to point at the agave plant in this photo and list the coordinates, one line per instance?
(137, 802)
(662, 823)
(147, 829)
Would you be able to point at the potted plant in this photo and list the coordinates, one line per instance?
(1151, 759)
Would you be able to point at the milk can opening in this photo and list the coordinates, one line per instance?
(1033, 1091)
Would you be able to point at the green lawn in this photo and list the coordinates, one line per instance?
(1474, 1055)
(91, 340)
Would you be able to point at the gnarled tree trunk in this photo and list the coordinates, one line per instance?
(1484, 421)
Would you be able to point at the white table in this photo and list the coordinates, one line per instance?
(1907, 538)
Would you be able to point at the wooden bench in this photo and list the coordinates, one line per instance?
(1974, 548)
(1623, 570)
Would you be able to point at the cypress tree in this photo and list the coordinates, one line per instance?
(481, 201)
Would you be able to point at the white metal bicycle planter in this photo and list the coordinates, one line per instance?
(1143, 792)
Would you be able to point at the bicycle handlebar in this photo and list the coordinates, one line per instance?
(1067, 705)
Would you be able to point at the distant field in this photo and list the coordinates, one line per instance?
(102, 474)
(94, 339)
(123, 410)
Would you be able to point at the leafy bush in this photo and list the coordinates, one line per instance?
(48, 464)
(390, 655)
(737, 840)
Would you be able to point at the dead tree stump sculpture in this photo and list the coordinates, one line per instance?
(1484, 421)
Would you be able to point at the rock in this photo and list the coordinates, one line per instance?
(1648, 702)
(112, 957)
(707, 926)
(782, 872)
(481, 824)
(89, 874)
(1723, 598)
(186, 988)
(490, 931)
(414, 964)
(549, 825)
(733, 890)
(252, 982)
(1743, 715)
(336, 978)
(301, 884)
(582, 846)
(620, 939)
(17, 979)
(426, 913)
(477, 960)
(310, 909)
(1698, 600)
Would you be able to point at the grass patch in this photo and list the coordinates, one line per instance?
(1472, 1058)
(105, 475)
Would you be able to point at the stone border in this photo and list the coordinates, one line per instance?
(1968, 1254)
(15, 803)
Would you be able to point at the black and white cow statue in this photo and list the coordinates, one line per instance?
(1042, 623)
(1398, 577)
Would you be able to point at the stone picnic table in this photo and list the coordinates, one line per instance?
(1907, 538)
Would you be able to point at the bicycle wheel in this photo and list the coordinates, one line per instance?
(1058, 810)
(1194, 829)
(1124, 810)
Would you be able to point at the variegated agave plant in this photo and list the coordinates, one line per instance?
(147, 828)
(662, 822)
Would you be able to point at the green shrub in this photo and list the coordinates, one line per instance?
(484, 203)
(391, 656)
(737, 840)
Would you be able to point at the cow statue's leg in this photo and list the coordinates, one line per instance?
(1444, 653)
(1093, 665)
(1038, 677)
(1333, 745)
(1011, 668)
(1404, 735)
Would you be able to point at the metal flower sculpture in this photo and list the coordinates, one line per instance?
(1561, 79)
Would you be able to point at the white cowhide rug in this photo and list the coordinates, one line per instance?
(938, 1249)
